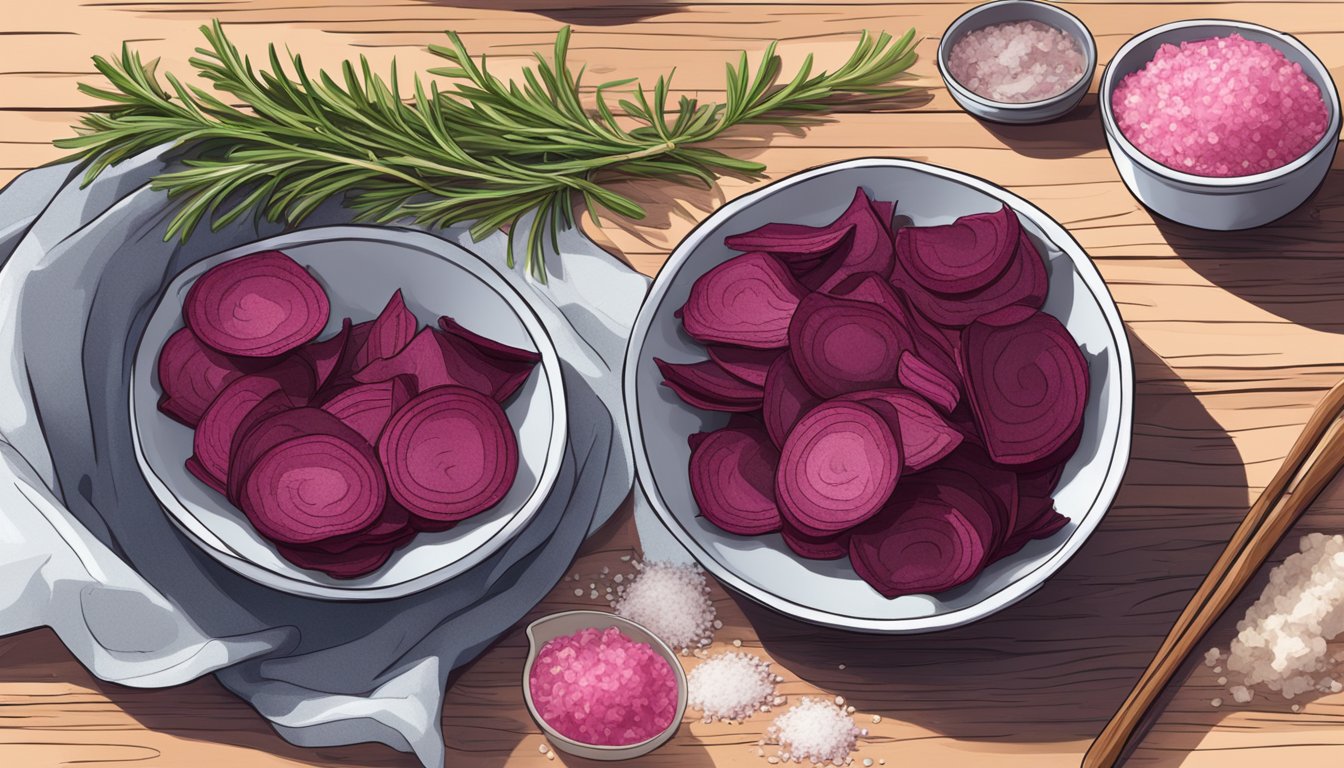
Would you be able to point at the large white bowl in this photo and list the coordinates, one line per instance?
(829, 592)
(360, 267)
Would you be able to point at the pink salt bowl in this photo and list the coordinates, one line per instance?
(1218, 202)
(548, 628)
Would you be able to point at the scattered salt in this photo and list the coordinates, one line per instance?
(737, 643)
(1241, 694)
(543, 748)
(1212, 656)
(731, 686)
(578, 593)
(671, 601)
(1217, 702)
(1016, 61)
(814, 730)
(600, 687)
(877, 718)
(1226, 106)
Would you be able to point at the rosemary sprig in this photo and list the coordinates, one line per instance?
(478, 149)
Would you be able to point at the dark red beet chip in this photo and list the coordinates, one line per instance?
(926, 437)
(747, 300)
(749, 365)
(930, 383)
(393, 526)
(792, 239)
(489, 348)
(351, 563)
(815, 547)
(390, 333)
(838, 467)
(324, 357)
(260, 305)
(708, 386)
(192, 376)
(840, 345)
(1024, 282)
(868, 249)
(366, 408)
(214, 435)
(733, 480)
(785, 399)
(435, 359)
(960, 257)
(449, 453)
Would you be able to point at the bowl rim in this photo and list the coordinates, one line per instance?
(605, 751)
(990, 604)
(1329, 94)
(205, 538)
(1083, 83)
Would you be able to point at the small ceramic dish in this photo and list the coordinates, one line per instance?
(1002, 11)
(1209, 202)
(548, 628)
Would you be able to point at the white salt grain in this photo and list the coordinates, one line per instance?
(814, 730)
(578, 592)
(1217, 702)
(1241, 694)
(730, 686)
(543, 749)
(671, 601)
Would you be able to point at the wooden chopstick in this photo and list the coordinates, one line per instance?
(1313, 462)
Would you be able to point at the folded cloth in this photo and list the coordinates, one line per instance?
(86, 549)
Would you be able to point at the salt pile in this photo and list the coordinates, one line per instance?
(672, 602)
(1226, 106)
(816, 731)
(1016, 61)
(731, 686)
(1282, 643)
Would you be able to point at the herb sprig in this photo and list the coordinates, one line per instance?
(478, 149)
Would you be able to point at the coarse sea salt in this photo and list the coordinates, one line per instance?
(600, 687)
(1226, 106)
(670, 600)
(1282, 642)
(814, 730)
(1016, 61)
(731, 686)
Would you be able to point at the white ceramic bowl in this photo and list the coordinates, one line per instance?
(829, 592)
(1237, 202)
(997, 12)
(360, 267)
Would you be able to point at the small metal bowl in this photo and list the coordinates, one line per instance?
(548, 628)
(1018, 10)
(1209, 202)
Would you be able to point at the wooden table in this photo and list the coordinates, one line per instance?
(1235, 338)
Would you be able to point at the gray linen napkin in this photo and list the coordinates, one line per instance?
(86, 549)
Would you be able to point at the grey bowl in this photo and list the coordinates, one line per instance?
(1217, 203)
(1018, 10)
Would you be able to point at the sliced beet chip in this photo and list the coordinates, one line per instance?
(960, 257)
(280, 419)
(868, 248)
(325, 356)
(926, 437)
(449, 453)
(929, 382)
(732, 475)
(1047, 524)
(747, 364)
(260, 305)
(192, 375)
(489, 348)
(785, 399)
(837, 468)
(886, 212)
(214, 435)
(931, 344)
(841, 345)
(791, 239)
(978, 471)
(366, 408)
(696, 438)
(391, 331)
(359, 560)
(436, 359)
(393, 526)
(815, 547)
(747, 300)
(1023, 282)
(708, 386)
(314, 486)
(199, 472)
(1027, 385)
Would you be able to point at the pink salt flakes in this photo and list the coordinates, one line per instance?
(1016, 61)
(1226, 106)
(600, 687)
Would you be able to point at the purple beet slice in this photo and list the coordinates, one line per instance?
(792, 239)
(926, 437)
(960, 257)
(192, 376)
(261, 305)
(352, 563)
(393, 526)
(390, 333)
(366, 408)
(837, 468)
(435, 359)
(489, 348)
(929, 382)
(1027, 385)
(1023, 282)
(868, 249)
(325, 356)
(815, 547)
(840, 345)
(785, 399)
(747, 300)
(706, 385)
(213, 439)
(732, 474)
(747, 364)
(314, 486)
(449, 453)
(280, 418)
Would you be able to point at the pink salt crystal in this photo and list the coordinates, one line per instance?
(1226, 106)
(601, 687)
(1016, 61)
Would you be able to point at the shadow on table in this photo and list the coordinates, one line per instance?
(1291, 268)
(593, 13)
(1077, 133)
(1054, 667)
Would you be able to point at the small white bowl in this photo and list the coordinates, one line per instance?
(548, 628)
(1002, 11)
(1218, 203)
(360, 267)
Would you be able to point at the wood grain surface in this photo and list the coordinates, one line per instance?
(1235, 338)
